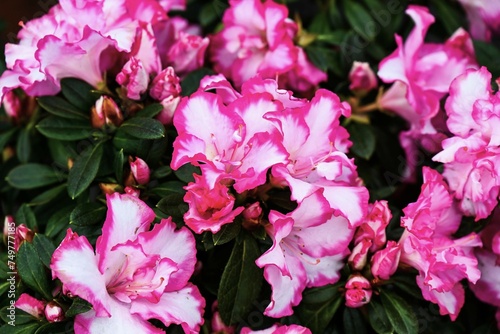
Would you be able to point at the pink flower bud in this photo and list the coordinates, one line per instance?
(169, 104)
(140, 170)
(373, 228)
(133, 191)
(187, 53)
(357, 259)
(358, 291)
(106, 111)
(165, 85)
(23, 233)
(30, 305)
(12, 104)
(218, 326)
(362, 78)
(134, 78)
(251, 215)
(53, 312)
(385, 262)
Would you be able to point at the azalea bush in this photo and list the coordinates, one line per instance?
(252, 166)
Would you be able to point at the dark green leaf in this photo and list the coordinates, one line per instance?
(378, 318)
(185, 172)
(58, 222)
(60, 107)
(84, 170)
(318, 307)
(56, 328)
(363, 139)
(88, 214)
(143, 128)
(488, 55)
(168, 188)
(359, 19)
(408, 285)
(78, 306)
(400, 314)
(5, 137)
(21, 317)
(23, 148)
(333, 37)
(79, 94)
(44, 247)
(150, 111)
(26, 216)
(32, 176)
(29, 328)
(32, 271)
(173, 205)
(161, 172)
(353, 322)
(47, 196)
(227, 233)
(449, 15)
(241, 281)
(192, 80)
(118, 165)
(65, 129)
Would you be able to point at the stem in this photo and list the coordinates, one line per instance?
(369, 107)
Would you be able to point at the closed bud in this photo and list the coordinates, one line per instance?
(140, 170)
(106, 111)
(53, 312)
(358, 291)
(385, 261)
(252, 215)
(362, 78)
(23, 233)
(359, 255)
(133, 191)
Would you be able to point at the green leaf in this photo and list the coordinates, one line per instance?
(333, 37)
(60, 107)
(487, 55)
(78, 306)
(29, 328)
(58, 222)
(318, 307)
(378, 318)
(168, 188)
(64, 129)
(173, 205)
(150, 111)
(143, 128)
(21, 316)
(185, 172)
(192, 80)
(400, 314)
(26, 216)
(44, 248)
(5, 137)
(353, 322)
(118, 165)
(241, 281)
(23, 147)
(79, 94)
(47, 196)
(449, 15)
(84, 170)
(88, 214)
(65, 327)
(32, 271)
(30, 176)
(363, 139)
(358, 17)
(227, 233)
(161, 172)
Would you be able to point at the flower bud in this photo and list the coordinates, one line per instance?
(106, 111)
(134, 78)
(165, 85)
(30, 305)
(140, 170)
(373, 228)
(252, 215)
(23, 233)
(362, 78)
(12, 104)
(53, 312)
(385, 262)
(357, 259)
(187, 53)
(218, 326)
(169, 104)
(358, 291)
(133, 191)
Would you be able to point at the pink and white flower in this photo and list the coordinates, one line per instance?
(166, 88)
(135, 274)
(427, 245)
(304, 252)
(209, 208)
(384, 262)
(422, 73)
(53, 312)
(471, 158)
(134, 78)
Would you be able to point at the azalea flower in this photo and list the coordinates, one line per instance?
(428, 246)
(484, 18)
(305, 252)
(134, 275)
(278, 329)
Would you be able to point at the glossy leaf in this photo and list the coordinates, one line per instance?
(30, 176)
(84, 170)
